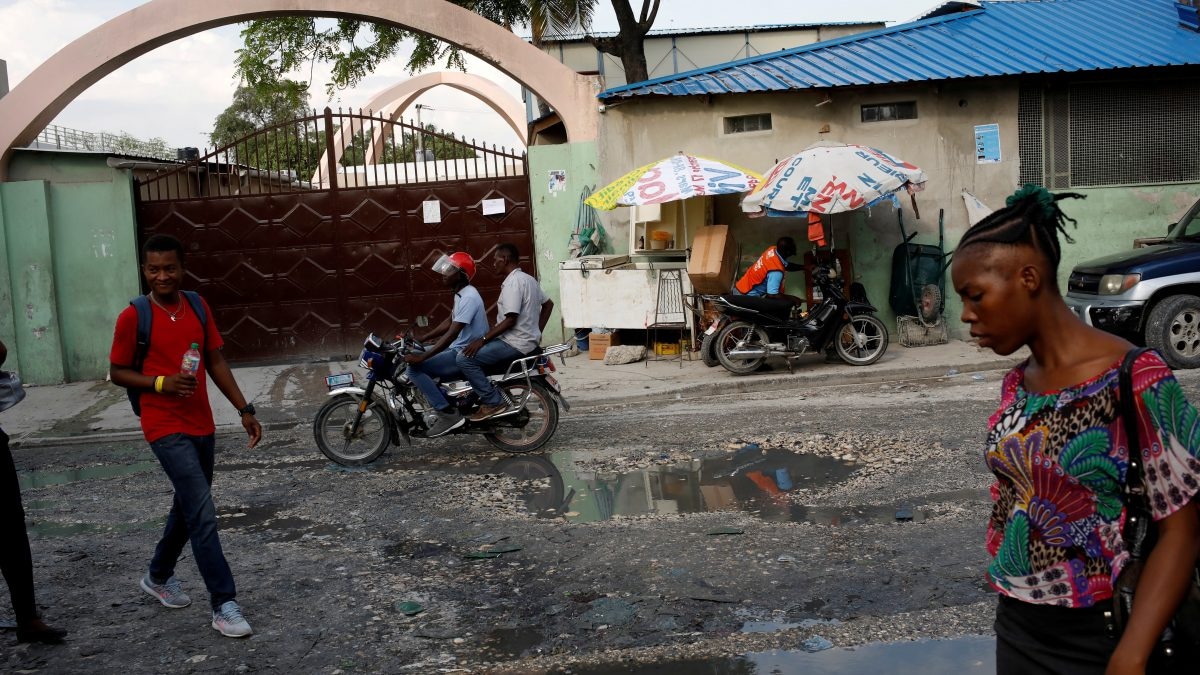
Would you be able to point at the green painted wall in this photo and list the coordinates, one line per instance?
(69, 263)
(37, 338)
(554, 213)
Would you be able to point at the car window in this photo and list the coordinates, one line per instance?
(1189, 225)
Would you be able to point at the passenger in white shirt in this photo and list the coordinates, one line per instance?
(522, 313)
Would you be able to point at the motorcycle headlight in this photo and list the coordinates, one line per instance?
(1116, 284)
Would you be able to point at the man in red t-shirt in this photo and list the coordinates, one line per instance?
(178, 423)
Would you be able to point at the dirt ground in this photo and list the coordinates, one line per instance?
(603, 551)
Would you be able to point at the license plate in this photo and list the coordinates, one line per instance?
(552, 382)
(339, 380)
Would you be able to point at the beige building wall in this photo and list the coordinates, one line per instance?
(941, 141)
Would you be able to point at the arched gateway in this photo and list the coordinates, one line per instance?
(41, 96)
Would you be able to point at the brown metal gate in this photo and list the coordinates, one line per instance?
(297, 267)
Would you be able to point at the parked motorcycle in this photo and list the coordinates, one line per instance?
(356, 425)
(749, 329)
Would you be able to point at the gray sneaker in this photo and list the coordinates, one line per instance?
(169, 593)
(229, 621)
(446, 422)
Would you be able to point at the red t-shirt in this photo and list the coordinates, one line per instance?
(165, 414)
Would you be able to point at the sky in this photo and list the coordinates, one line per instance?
(176, 91)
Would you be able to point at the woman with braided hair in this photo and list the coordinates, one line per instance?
(1058, 450)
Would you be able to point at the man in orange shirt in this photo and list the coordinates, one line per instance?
(766, 276)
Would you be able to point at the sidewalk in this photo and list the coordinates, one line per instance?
(288, 396)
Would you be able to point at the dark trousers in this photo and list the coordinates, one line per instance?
(15, 558)
(1044, 639)
(188, 462)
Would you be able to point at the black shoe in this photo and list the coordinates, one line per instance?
(38, 631)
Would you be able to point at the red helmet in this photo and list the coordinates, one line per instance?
(457, 260)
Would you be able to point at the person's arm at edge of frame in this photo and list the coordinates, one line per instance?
(1160, 589)
(222, 376)
(544, 316)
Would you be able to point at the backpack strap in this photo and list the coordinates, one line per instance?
(145, 316)
(197, 304)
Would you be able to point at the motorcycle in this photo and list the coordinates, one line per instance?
(356, 425)
(748, 329)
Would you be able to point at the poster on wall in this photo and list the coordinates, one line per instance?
(432, 211)
(987, 144)
(558, 181)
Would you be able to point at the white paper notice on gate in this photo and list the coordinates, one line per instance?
(493, 207)
(432, 210)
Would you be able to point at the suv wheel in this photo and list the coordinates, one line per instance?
(1173, 328)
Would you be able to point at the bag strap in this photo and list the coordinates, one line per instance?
(145, 316)
(1137, 503)
(197, 304)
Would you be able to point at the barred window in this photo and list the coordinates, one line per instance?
(886, 112)
(742, 124)
(1103, 134)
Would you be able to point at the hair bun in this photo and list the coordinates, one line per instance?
(1038, 194)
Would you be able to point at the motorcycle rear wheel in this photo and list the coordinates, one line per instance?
(862, 341)
(542, 412)
(708, 349)
(331, 430)
(741, 335)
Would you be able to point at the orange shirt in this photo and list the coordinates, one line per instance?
(769, 261)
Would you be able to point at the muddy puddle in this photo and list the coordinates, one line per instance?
(29, 480)
(961, 656)
(759, 482)
(267, 520)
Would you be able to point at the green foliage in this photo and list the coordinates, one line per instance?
(403, 147)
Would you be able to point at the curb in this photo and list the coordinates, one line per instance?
(751, 384)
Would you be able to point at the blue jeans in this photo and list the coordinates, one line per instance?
(443, 367)
(188, 462)
(496, 351)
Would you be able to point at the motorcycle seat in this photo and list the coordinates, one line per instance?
(502, 367)
(776, 307)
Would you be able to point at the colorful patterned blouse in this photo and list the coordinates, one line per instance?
(1059, 459)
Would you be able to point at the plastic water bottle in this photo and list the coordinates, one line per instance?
(191, 360)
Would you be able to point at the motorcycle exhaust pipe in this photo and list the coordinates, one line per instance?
(748, 353)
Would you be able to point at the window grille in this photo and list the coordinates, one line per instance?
(886, 112)
(746, 123)
(1109, 133)
(1029, 134)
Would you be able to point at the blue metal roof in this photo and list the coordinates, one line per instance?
(1014, 37)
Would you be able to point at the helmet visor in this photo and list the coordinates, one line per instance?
(444, 265)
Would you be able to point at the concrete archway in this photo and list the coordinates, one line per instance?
(29, 107)
(393, 101)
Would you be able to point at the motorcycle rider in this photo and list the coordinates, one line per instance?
(521, 315)
(467, 322)
(765, 277)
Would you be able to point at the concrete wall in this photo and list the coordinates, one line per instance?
(554, 213)
(941, 141)
(69, 263)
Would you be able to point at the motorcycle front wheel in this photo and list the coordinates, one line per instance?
(862, 341)
(529, 429)
(741, 335)
(331, 430)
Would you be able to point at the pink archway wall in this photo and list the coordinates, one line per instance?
(41, 96)
(393, 101)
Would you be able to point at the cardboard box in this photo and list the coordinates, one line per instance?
(713, 260)
(598, 343)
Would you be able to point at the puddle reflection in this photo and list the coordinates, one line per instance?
(37, 479)
(968, 655)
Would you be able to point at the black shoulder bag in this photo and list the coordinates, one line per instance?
(1180, 641)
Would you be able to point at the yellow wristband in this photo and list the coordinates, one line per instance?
(158, 383)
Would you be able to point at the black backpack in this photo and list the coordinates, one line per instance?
(145, 317)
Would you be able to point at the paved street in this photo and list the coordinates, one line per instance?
(605, 558)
